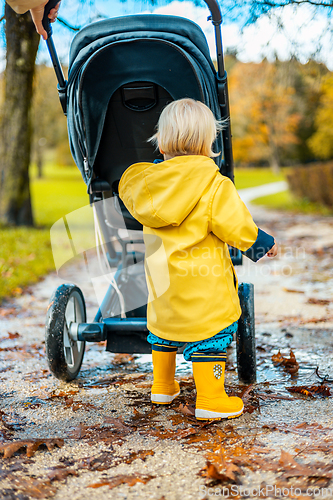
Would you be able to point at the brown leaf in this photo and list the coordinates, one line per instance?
(294, 469)
(8, 311)
(63, 394)
(187, 409)
(122, 359)
(34, 488)
(289, 364)
(319, 302)
(312, 391)
(324, 319)
(141, 454)
(119, 424)
(130, 480)
(81, 405)
(96, 433)
(60, 473)
(13, 335)
(274, 396)
(245, 395)
(211, 472)
(181, 434)
(31, 446)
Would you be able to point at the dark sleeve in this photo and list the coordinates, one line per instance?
(260, 247)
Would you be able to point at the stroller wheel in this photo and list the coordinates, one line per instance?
(246, 342)
(64, 355)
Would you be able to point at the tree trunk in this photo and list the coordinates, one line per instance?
(274, 160)
(15, 130)
(39, 161)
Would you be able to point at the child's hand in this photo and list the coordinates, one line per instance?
(273, 251)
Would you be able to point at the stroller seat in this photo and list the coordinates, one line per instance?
(122, 73)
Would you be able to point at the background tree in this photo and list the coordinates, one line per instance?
(321, 142)
(265, 119)
(15, 131)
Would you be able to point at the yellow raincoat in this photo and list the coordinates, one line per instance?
(189, 213)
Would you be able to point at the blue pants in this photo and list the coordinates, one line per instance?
(211, 349)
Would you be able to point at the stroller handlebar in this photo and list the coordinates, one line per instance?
(215, 11)
(46, 22)
(62, 84)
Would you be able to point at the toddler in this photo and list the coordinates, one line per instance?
(190, 214)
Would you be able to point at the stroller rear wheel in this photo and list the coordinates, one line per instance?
(246, 342)
(64, 355)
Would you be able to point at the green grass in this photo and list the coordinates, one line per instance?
(25, 253)
(286, 201)
(25, 256)
(251, 177)
(58, 193)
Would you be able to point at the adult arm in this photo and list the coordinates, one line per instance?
(22, 6)
(36, 8)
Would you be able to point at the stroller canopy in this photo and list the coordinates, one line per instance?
(122, 72)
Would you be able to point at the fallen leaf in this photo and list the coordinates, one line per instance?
(8, 311)
(31, 446)
(312, 391)
(141, 454)
(187, 409)
(122, 359)
(118, 423)
(274, 396)
(319, 302)
(15, 335)
(130, 480)
(60, 473)
(30, 487)
(289, 364)
(294, 469)
(210, 472)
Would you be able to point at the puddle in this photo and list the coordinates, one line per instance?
(102, 369)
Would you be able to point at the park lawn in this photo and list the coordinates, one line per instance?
(251, 177)
(286, 201)
(26, 254)
(58, 193)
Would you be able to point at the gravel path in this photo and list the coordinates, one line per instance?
(98, 437)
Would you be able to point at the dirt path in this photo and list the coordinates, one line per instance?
(105, 440)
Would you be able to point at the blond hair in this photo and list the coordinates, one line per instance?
(186, 127)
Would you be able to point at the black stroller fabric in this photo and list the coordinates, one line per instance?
(170, 52)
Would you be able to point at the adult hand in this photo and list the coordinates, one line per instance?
(37, 15)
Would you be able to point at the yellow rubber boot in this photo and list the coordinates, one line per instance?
(165, 388)
(212, 401)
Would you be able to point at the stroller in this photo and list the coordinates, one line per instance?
(122, 73)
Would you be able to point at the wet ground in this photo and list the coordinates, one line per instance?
(99, 437)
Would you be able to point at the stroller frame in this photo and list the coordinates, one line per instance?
(66, 326)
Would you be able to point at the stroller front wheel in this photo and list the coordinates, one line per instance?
(64, 355)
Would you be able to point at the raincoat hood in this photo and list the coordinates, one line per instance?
(163, 194)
